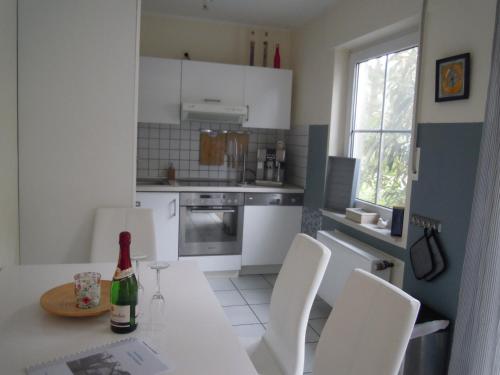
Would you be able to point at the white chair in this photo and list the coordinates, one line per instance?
(368, 330)
(108, 224)
(281, 349)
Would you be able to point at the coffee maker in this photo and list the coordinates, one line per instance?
(279, 162)
(271, 165)
(261, 164)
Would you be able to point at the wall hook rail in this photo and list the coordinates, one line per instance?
(425, 222)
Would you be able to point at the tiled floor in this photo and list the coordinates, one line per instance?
(245, 300)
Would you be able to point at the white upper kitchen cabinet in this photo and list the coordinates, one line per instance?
(159, 90)
(268, 95)
(212, 82)
(165, 208)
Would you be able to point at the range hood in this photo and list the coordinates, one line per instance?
(215, 112)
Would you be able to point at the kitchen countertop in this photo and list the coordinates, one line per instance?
(250, 188)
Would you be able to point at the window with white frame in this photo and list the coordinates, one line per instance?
(381, 118)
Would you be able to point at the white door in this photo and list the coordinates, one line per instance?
(166, 215)
(268, 232)
(159, 90)
(211, 82)
(268, 95)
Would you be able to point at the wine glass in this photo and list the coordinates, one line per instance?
(157, 305)
(140, 289)
(136, 258)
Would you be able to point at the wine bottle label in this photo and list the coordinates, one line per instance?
(120, 314)
(122, 274)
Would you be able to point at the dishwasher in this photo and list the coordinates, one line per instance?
(271, 221)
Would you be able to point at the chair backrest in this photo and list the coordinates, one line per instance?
(108, 224)
(291, 301)
(368, 330)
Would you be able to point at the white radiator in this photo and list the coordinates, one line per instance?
(348, 254)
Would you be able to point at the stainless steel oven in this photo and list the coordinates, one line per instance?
(210, 224)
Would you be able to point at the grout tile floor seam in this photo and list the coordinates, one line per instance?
(247, 304)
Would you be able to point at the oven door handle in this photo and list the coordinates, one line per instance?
(211, 210)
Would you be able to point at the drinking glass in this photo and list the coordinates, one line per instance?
(136, 258)
(157, 305)
(140, 289)
(87, 289)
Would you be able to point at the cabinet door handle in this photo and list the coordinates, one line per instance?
(248, 112)
(138, 203)
(174, 203)
(211, 100)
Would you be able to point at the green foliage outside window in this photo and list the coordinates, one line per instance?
(382, 120)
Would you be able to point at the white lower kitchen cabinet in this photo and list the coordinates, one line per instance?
(166, 216)
(216, 263)
(268, 232)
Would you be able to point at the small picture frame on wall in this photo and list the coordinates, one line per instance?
(453, 78)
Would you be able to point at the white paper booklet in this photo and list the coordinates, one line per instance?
(127, 357)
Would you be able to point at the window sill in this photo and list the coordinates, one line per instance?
(369, 229)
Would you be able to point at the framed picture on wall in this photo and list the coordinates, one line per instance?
(453, 78)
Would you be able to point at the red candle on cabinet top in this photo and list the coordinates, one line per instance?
(277, 59)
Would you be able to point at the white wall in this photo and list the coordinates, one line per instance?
(77, 121)
(314, 45)
(209, 40)
(453, 27)
(9, 235)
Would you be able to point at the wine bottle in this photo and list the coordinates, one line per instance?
(277, 58)
(124, 291)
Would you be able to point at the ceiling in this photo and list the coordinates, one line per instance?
(275, 13)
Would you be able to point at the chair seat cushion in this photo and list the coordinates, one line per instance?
(262, 357)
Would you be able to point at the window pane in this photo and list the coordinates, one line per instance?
(370, 93)
(394, 169)
(400, 88)
(366, 148)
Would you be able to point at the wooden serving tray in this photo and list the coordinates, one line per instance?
(61, 301)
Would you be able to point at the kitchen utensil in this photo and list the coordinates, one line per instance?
(421, 258)
(212, 147)
(236, 147)
(437, 256)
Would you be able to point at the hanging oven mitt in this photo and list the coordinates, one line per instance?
(437, 256)
(421, 257)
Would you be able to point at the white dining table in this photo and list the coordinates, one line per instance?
(196, 337)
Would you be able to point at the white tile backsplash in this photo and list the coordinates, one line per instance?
(165, 144)
(160, 145)
(179, 145)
